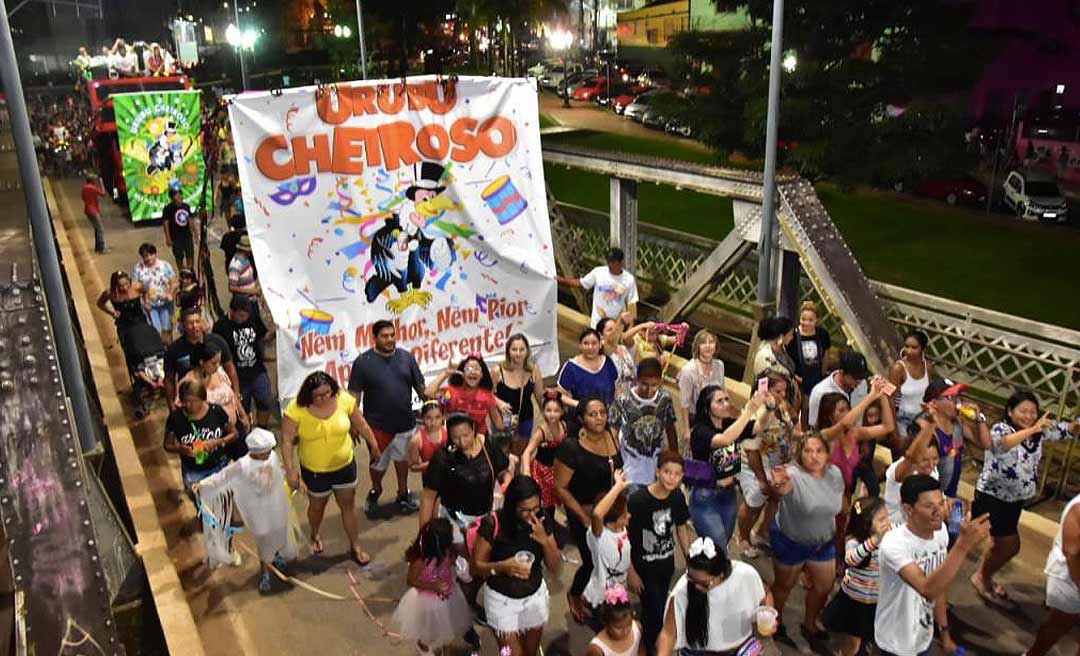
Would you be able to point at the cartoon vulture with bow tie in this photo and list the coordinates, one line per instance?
(401, 253)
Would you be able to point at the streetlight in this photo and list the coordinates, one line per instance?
(560, 41)
(238, 40)
(767, 237)
(790, 62)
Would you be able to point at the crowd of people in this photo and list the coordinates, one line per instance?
(138, 59)
(515, 470)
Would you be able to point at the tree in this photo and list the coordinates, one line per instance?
(855, 59)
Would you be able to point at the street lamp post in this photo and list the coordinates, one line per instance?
(360, 33)
(240, 48)
(560, 41)
(767, 239)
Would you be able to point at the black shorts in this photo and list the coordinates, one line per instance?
(1004, 515)
(321, 484)
(183, 248)
(850, 617)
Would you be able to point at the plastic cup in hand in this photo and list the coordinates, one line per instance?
(525, 557)
(766, 621)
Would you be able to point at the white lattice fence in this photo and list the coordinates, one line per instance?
(995, 352)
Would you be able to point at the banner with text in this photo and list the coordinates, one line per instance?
(160, 147)
(421, 202)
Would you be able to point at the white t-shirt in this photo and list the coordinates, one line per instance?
(904, 622)
(612, 294)
(732, 609)
(1056, 564)
(829, 384)
(892, 494)
(611, 561)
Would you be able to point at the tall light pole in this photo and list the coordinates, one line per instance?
(360, 33)
(767, 240)
(240, 45)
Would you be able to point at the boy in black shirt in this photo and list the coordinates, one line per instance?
(244, 332)
(658, 516)
(176, 221)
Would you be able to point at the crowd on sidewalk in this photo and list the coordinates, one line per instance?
(516, 470)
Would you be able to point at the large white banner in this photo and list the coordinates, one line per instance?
(423, 204)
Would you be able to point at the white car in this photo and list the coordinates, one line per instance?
(1035, 196)
(537, 70)
(552, 78)
(635, 111)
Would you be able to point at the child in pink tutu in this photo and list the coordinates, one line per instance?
(433, 611)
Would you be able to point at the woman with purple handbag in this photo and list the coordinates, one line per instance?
(714, 461)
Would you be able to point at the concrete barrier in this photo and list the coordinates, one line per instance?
(177, 622)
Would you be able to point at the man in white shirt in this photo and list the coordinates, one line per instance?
(916, 568)
(615, 294)
(848, 379)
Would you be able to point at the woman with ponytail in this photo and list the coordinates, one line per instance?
(713, 606)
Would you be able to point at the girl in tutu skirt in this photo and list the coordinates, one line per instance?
(433, 611)
(538, 460)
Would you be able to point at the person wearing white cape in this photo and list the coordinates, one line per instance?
(256, 483)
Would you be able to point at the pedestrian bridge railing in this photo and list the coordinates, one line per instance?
(993, 351)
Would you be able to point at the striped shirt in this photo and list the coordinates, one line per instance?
(861, 576)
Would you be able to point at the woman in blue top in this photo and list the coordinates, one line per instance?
(1008, 479)
(589, 373)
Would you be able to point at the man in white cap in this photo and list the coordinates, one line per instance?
(257, 483)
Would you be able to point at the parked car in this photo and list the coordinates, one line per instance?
(620, 100)
(574, 81)
(589, 89)
(1035, 196)
(538, 69)
(966, 191)
(678, 127)
(636, 110)
(552, 79)
(653, 77)
(654, 118)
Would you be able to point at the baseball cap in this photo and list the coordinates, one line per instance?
(940, 387)
(854, 364)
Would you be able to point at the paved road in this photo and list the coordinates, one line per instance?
(590, 116)
(234, 619)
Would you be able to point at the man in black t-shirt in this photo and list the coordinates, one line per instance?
(176, 220)
(658, 518)
(244, 332)
(178, 356)
(384, 378)
(202, 443)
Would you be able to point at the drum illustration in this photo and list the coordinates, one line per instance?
(503, 198)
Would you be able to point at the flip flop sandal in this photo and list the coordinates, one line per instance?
(316, 545)
(363, 559)
(989, 596)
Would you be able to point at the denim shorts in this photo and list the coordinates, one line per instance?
(792, 553)
(161, 316)
(258, 390)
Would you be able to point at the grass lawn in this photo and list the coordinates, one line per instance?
(993, 262)
(547, 122)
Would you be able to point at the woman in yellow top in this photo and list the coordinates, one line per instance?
(324, 422)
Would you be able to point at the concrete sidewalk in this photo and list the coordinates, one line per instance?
(233, 618)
